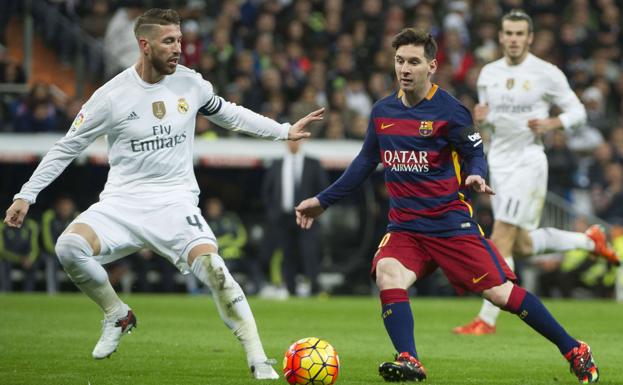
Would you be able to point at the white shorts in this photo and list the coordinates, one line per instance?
(520, 192)
(126, 225)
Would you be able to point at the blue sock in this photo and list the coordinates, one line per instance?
(532, 311)
(398, 320)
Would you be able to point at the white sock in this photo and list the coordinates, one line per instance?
(76, 256)
(231, 303)
(489, 312)
(551, 239)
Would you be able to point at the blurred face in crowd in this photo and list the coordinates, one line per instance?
(413, 69)
(162, 47)
(515, 39)
(65, 208)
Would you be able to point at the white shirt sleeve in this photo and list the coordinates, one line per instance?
(560, 93)
(92, 122)
(237, 118)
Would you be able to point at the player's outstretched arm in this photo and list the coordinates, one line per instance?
(307, 211)
(478, 184)
(297, 131)
(16, 213)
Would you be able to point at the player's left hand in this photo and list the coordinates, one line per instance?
(541, 126)
(297, 131)
(307, 211)
(478, 184)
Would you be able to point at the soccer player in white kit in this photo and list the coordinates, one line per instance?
(515, 95)
(147, 113)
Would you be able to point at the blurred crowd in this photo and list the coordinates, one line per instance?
(285, 58)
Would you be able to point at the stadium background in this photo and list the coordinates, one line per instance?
(287, 58)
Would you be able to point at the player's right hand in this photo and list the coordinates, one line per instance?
(480, 113)
(307, 211)
(16, 213)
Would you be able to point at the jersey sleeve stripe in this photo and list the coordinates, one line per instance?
(212, 107)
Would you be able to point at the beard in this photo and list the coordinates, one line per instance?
(163, 66)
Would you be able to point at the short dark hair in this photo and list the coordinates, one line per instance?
(416, 37)
(518, 15)
(155, 16)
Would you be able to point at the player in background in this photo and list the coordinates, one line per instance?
(515, 95)
(147, 114)
(423, 136)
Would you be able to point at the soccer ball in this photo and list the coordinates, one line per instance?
(311, 361)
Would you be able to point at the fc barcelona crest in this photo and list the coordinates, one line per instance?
(182, 106)
(510, 83)
(426, 127)
(158, 109)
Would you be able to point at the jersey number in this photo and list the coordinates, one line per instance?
(194, 221)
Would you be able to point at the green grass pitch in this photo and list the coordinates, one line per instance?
(181, 340)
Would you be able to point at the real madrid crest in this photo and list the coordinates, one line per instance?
(182, 106)
(510, 83)
(526, 85)
(426, 127)
(158, 109)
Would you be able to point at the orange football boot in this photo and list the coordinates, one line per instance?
(477, 327)
(597, 234)
(582, 364)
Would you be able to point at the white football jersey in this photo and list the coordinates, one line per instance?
(518, 93)
(150, 131)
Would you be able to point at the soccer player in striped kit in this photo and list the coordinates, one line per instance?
(147, 114)
(429, 150)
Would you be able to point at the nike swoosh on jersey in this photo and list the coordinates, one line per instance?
(384, 126)
(476, 280)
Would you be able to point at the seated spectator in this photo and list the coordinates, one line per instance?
(37, 113)
(19, 249)
(96, 21)
(562, 165)
(192, 44)
(608, 198)
(153, 273)
(53, 222)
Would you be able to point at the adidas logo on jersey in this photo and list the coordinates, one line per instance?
(133, 116)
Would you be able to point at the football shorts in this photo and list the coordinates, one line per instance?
(520, 192)
(126, 225)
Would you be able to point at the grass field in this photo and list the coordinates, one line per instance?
(181, 340)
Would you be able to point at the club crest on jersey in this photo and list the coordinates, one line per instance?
(426, 127)
(158, 109)
(526, 85)
(510, 83)
(182, 106)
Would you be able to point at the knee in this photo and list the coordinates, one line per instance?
(70, 248)
(522, 249)
(499, 295)
(390, 274)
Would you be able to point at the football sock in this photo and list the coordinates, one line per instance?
(551, 239)
(532, 311)
(231, 303)
(489, 312)
(76, 257)
(398, 319)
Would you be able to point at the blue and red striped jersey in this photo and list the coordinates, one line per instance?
(425, 151)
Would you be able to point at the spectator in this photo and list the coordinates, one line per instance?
(96, 21)
(19, 248)
(120, 45)
(53, 222)
(37, 113)
(562, 165)
(608, 198)
(191, 44)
